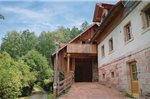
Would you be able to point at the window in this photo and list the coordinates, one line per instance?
(83, 42)
(103, 51)
(127, 32)
(146, 16)
(111, 45)
(112, 74)
(103, 76)
(133, 71)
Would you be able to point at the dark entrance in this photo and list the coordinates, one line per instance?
(83, 70)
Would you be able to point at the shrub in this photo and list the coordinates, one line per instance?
(38, 64)
(14, 75)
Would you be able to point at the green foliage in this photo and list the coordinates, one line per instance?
(27, 76)
(46, 45)
(14, 75)
(48, 85)
(18, 44)
(29, 41)
(74, 32)
(11, 43)
(128, 95)
(51, 96)
(62, 34)
(2, 17)
(27, 66)
(84, 25)
(61, 76)
(38, 64)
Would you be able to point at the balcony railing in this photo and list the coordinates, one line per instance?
(82, 48)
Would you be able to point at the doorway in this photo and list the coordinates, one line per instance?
(134, 78)
(83, 70)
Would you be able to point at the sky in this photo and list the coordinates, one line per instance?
(45, 15)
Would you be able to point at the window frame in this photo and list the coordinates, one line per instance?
(112, 74)
(103, 51)
(111, 45)
(145, 18)
(128, 37)
(103, 75)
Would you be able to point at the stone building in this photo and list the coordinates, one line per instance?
(123, 41)
(115, 50)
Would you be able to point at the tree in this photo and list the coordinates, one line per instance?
(46, 45)
(29, 41)
(84, 25)
(38, 64)
(1, 17)
(18, 44)
(74, 32)
(14, 75)
(62, 34)
(12, 44)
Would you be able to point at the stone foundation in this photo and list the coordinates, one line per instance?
(94, 71)
(120, 67)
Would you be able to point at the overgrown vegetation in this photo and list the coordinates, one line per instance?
(14, 76)
(129, 95)
(25, 60)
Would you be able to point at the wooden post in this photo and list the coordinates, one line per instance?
(55, 74)
(73, 68)
(73, 64)
(68, 64)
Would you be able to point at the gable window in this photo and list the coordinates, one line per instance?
(111, 48)
(127, 32)
(146, 16)
(103, 51)
(83, 42)
(112, 74)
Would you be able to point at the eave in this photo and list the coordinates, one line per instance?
(115, 9)
(99, 10)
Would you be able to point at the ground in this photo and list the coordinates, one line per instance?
(92, 91)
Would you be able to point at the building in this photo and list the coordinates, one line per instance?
(115, 50)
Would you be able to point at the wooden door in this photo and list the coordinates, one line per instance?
(134, 79)
(83, 70)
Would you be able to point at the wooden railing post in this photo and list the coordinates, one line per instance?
(68, 64)
(65, 84)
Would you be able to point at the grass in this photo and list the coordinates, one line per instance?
(51, 96)
(129, 95)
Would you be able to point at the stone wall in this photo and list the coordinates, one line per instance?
(120, 67)
(94, 71)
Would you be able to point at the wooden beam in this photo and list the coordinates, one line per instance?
(68, 64)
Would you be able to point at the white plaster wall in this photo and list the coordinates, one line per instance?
(141, 37)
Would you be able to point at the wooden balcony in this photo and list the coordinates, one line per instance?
(82, 48)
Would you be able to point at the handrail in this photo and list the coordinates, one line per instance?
(65, 84)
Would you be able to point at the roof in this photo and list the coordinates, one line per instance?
(99, 10)
(75, 37)
(111, 13)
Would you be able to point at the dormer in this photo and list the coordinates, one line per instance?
(101, 11)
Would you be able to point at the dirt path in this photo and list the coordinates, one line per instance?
(92, 91)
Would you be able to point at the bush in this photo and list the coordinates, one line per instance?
(48, 85)
(39, 65)
(128, 95)
(14, 75)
